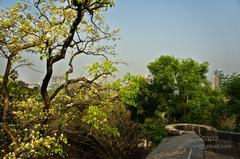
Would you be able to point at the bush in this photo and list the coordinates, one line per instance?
(104, 144)
(155, 129)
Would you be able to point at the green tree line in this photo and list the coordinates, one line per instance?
(178, 91)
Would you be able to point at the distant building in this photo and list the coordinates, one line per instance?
(33, 86)
(56, 81)
(217, 79)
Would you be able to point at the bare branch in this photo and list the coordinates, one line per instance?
(92, 15)
(97, 5)
(28, 65)
(3, 52)
(69, 39)
(72, 81)
(66, 84)
(36, 4)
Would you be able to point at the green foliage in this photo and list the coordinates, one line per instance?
(103, 144)
(35, 146)
(135, 93)
(89, 111)
(131, 88)
(53, 29)
(176, 87)
(231, 89)
(19, 90)
(180, 86)
(176, 91)
(155, 128)
(103, 69)
(98, 119)
(27, 115)
(27, 112)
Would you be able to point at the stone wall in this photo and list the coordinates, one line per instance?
(190, 141)
(207, 133)
(229, 142)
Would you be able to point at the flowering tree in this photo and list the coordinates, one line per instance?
(57, 30)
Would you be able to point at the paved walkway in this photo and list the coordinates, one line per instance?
(185, 146)
(179, 147)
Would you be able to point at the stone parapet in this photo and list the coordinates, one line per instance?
(183, 128)
(192, 141)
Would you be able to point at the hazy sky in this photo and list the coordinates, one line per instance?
(205, 30)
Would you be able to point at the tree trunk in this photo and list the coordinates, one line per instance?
(5, 101)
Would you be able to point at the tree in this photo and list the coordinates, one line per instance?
(136, 94)
(180, 86)
(176, 91)
(231, 89)
(99, 143)
(13, 41)
(57, 30)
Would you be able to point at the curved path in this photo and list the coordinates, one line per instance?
(184, 142)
